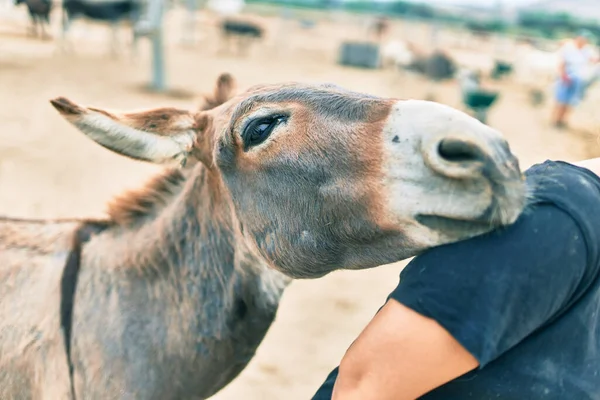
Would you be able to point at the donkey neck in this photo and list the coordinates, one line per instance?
(179, 229)
(180, 220)
(169, 281)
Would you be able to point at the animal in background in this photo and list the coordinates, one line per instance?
(112, 12)
(39, 13)
(244, 32)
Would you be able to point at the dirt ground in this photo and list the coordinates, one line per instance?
(48, 169)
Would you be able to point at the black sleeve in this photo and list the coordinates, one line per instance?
(492, 291)
(325, 392)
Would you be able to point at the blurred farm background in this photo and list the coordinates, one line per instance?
(168, 53)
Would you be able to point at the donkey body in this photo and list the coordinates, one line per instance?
(39, 14)
(244, 31)
(179, 322)
(33, 255)
(171, 295)
(112, 12)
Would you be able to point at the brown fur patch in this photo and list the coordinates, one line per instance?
(139, 203)
(103, 112)
(66, 107)
(159, 120)
(224, 90)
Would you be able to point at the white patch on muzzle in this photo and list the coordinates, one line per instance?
(412, 132)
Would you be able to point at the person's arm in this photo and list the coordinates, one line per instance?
(562, 68)
(400, 355)
(592, 55)
(562, 65)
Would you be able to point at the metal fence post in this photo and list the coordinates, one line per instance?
(189, 28)
(152, 27)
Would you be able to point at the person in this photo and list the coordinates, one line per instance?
(574, 57)
(512, 314)
(380, 27)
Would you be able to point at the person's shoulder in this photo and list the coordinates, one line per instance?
(560, 180)
(563, 205)
(573, 189)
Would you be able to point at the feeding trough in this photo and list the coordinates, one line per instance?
(480, 101)
(501, 68)
(360, 54)
(475, 98)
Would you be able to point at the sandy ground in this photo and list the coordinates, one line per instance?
(48, 169)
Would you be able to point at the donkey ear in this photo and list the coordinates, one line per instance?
(161, 135)
(224, 89)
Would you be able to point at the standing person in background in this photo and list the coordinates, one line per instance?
(574, 57)
(380, 28)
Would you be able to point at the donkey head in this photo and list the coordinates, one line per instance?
(322, 178)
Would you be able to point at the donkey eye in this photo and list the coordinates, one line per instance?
(259, 130)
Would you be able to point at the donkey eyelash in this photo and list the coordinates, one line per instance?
(257, 130)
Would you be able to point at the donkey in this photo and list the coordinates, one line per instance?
(379, 28)
(244, 31)
(39, 14)
(223, 91)
(112, 12)
(169, 297)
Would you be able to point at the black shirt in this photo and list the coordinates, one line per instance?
(524, 300)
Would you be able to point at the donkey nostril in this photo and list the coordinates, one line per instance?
(456, 150)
